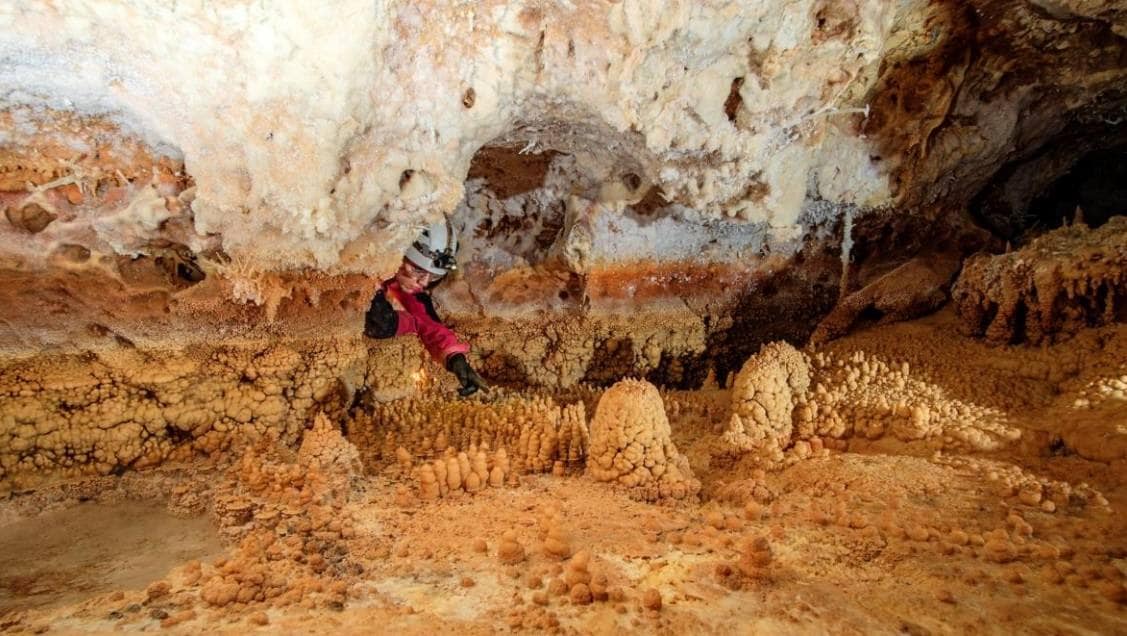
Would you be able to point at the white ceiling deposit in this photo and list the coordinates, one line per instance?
(565, 316)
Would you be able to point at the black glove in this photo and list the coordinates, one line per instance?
(381, 321)
(469, 378)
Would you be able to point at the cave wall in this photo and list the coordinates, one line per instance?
(179, 174)
(199, 198)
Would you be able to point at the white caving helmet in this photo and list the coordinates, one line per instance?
(434, 249)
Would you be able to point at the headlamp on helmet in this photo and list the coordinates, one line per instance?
(434, 250)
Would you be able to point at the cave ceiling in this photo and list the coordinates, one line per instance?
(258, 167)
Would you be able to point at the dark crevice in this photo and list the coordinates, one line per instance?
(732, 104)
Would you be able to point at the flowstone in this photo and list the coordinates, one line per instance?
(1063, 281)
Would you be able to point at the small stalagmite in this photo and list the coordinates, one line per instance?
(404, 459)
(557, 544)
(453, 474)
(509, 551)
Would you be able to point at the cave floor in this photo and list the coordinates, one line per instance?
(881, 535)
(71, 554)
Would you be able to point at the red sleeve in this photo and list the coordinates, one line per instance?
(438, 339)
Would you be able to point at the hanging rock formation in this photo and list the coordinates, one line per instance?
(1061, 282)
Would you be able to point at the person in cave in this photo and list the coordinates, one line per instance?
(402, 305)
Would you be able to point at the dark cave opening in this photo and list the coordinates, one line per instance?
(1086, 170)
(1097, 184)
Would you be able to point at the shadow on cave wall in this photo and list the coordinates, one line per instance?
(612, 360)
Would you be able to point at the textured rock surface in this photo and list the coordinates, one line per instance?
(172, 172)
(913, 289)
(68, 416)
(631, 444)
(199, 198)
(763, 398)
(994, 475)
(1060, 283)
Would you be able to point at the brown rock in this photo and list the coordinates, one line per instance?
(29, 218)
(157, 590)
(580, 594)
(73, 194)
(177, 618)
(509, 551)
(557, 587)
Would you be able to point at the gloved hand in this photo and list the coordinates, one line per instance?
(470, 380)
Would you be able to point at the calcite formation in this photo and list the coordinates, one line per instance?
(289, 521)
(752, 567)
(313, 191)
(67, 416)
(1005, 478)
(787, 407)
(516, 434)
(631, 444)
(289, 530)
(866, 396)
(571, 351)
(763, 398)
(143, 195)
(454, 473)
(323, 447)
(1063, 281)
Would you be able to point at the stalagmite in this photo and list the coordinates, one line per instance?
(763, 399)
(631, 444)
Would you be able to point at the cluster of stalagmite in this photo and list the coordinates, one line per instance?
(1102, 390)
(528, 435)
(1061, 282)
(631, 444)
(286, 516)
(460, 472)
(864, 396)
(1030, 525)
(1078, 378)
(560, 573)
(291, 524)
(449, 447)
(1023, 489)
(787, 406)
(324, 448)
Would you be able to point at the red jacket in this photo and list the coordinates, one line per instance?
(416, 315)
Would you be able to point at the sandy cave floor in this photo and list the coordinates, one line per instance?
(71, 554)
(875, 535)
